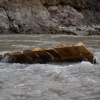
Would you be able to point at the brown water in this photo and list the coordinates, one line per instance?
(52, 81)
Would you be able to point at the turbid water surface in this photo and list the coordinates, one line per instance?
(51, 81)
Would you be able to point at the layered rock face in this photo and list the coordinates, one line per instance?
(22, 16)
(44, 16)
(90, 9)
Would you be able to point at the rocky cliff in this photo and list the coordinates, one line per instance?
(47, 16)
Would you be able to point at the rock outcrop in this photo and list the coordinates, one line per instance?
(73, 3)
(46, 16)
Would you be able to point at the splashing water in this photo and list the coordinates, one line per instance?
(5, 59)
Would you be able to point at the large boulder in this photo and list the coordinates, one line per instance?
(66, 15)
(32, 16)
(23, 16)
(4, 22)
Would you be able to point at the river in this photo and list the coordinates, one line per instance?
(51, 81)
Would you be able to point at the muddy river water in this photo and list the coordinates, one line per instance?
(51, 81)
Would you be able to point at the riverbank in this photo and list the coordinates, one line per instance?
(77, 31)
(50, 17)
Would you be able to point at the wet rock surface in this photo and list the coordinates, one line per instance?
(44, 16)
